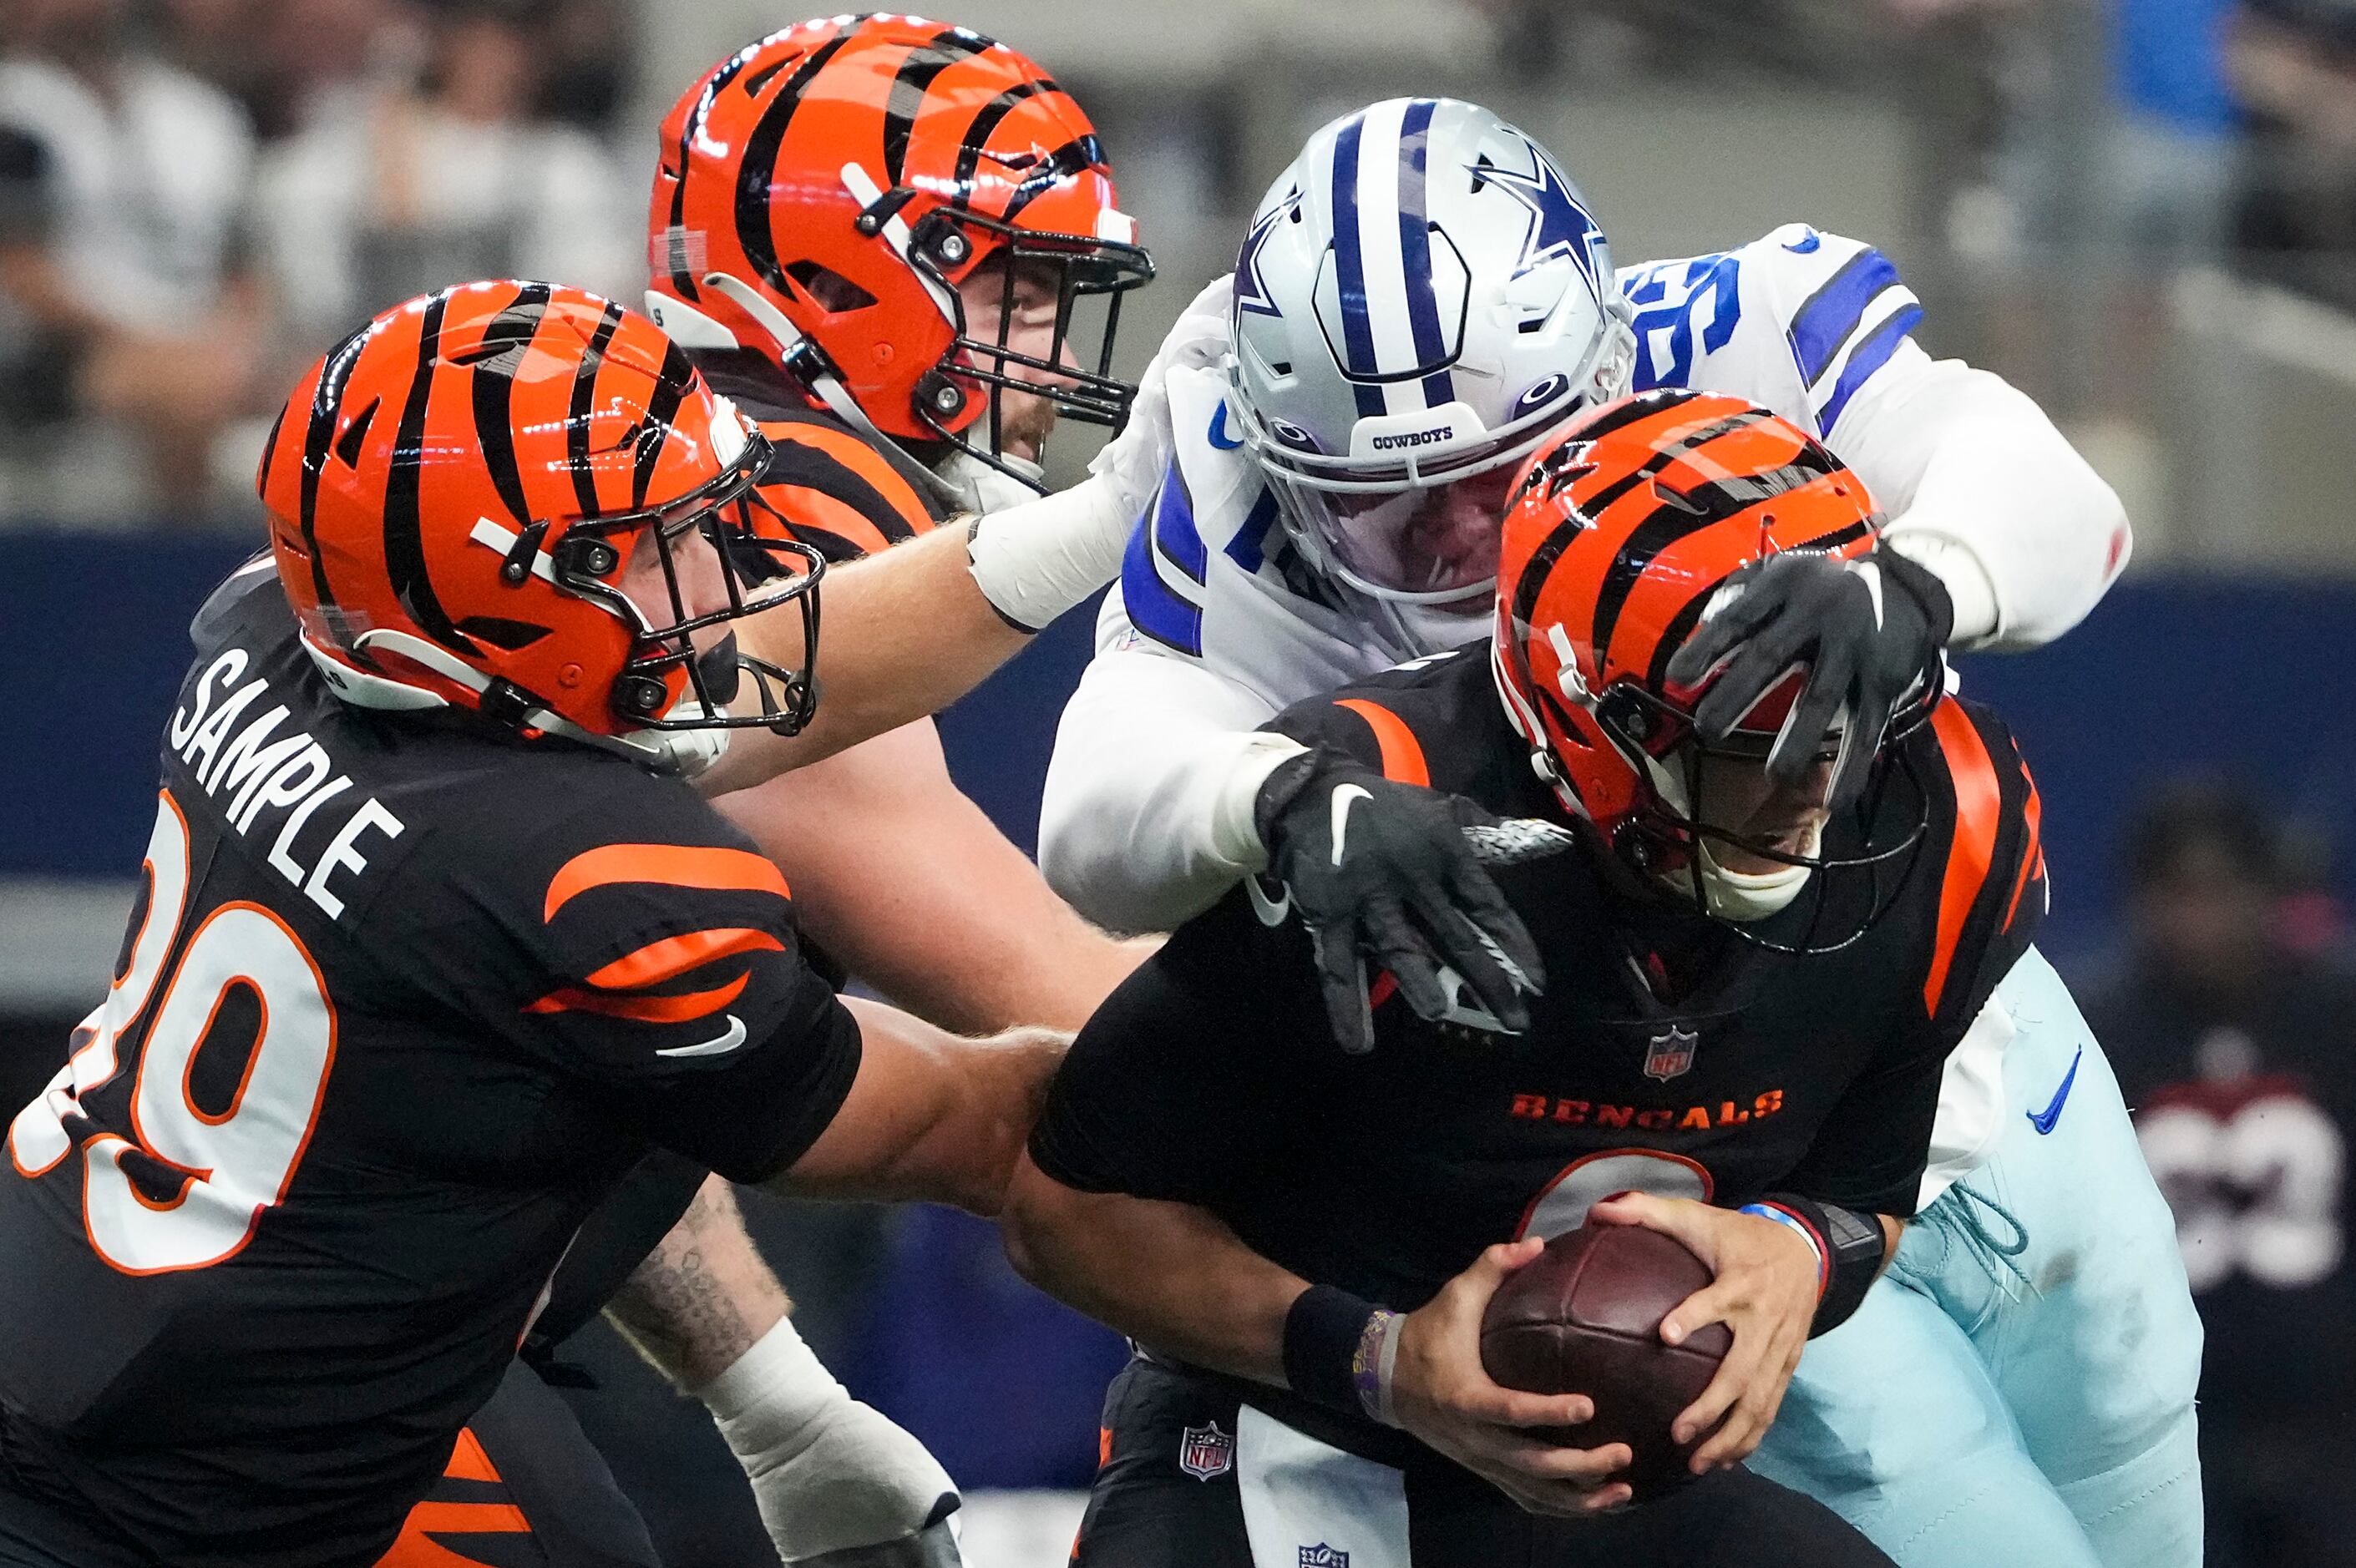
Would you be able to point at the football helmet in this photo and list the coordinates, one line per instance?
(1620, 540)
(1422, 297)
(822, 192)
(458, 491)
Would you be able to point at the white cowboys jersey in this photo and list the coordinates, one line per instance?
(1812, 325)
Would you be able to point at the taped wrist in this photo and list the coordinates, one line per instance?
(1036, 561)
(1339, 1351)
(1849, 1247)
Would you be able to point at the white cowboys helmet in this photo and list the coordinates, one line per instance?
(1422, 298)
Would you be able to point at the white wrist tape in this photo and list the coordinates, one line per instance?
(828, 1473)
(1235, 835)
(1037, 561)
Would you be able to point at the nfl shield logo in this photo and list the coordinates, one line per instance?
(1323, 1556)
(1205, 1453)
(1671, 1054)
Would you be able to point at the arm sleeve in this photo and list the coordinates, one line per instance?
(1147, 816)
(660, 972)
(1979, 485)
(1175, 1086)
(1982, 490)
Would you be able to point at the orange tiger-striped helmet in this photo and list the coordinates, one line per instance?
(821, 193)
(1620, 535)
(461, 492)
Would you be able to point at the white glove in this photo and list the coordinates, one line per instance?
(1136, 458)
(835, 1480)
(1037, 561)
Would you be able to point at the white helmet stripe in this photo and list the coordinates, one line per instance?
(1378, 241)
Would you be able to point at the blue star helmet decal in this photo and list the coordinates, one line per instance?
(1560, 222)
(1251, 292)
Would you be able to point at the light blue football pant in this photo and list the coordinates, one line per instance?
(2018, 1391)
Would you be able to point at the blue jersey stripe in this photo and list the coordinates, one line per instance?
(1820, 325)
(1871, 355)
(1175, 533)
(1250, 546)
(1415, 251)
(1350, 268)
(1153, 607)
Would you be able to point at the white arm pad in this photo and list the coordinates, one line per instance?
(1983, 491)
(1036, 561)
(828, 1472)
(1147, 818)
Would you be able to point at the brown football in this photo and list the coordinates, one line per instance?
(1584, 1317)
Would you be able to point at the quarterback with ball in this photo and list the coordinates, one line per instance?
(1422, 299)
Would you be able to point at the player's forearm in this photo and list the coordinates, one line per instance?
(2024, 533)
(915, 891)
(1170, 1276)
(1147, 815)
(702, 1298)
(932, 1117)
(902, 634)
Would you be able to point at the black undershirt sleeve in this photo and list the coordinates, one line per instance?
(1871, 1150)
(1175, 1089)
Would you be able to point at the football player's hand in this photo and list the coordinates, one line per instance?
(1384, 870)
(1764, 1288)
(1439, 1392)
(1869, 630)
(1134, 459)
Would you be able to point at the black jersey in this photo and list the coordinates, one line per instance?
(1210, 1078)
(402, 1000)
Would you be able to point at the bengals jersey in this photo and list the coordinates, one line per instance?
(1210, 1077)
(828, 486)
(402, 1000)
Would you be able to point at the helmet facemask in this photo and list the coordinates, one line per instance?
(758, 572)
(1084, 278)
(1712, 827)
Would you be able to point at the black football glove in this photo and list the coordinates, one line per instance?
(1870, 631)
(1385, 871)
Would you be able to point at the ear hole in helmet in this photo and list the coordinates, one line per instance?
(828, 289)
(509, 636)
(348, 445)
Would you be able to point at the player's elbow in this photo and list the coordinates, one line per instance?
(1013, 1071)
(1027, 1221)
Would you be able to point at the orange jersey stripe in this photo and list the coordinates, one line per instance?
(1402, 753)
(645, 1010)
(417, 1548)
(1979, 806)
(467, 1460)
(675, 955)
(675, 864)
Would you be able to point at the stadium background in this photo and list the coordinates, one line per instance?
(2141, 211)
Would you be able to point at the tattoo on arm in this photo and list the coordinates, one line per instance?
(702, 1298)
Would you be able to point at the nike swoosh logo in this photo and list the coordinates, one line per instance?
(1344, 798)
(2043, 1120)
(1222, 438)
(1270, 911)
(727, 1039)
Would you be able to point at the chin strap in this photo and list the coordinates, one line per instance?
(684, 752)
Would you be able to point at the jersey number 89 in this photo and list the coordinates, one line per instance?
(232, 1163)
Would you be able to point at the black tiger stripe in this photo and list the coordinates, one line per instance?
(577, 413)
(986, 121)
(792, 463)
(327, 402)
(404, 544)
(760, 158)
(270, 452)
(1535, 573)
(675, 250)
(1664, 528)
(492, 367)
(1644, 405)
(654, 431)
(911, 83)
(1074, 158)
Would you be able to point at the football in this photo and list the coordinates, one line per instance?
(1584, 1317)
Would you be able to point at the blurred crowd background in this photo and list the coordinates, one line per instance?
(2141, 211)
